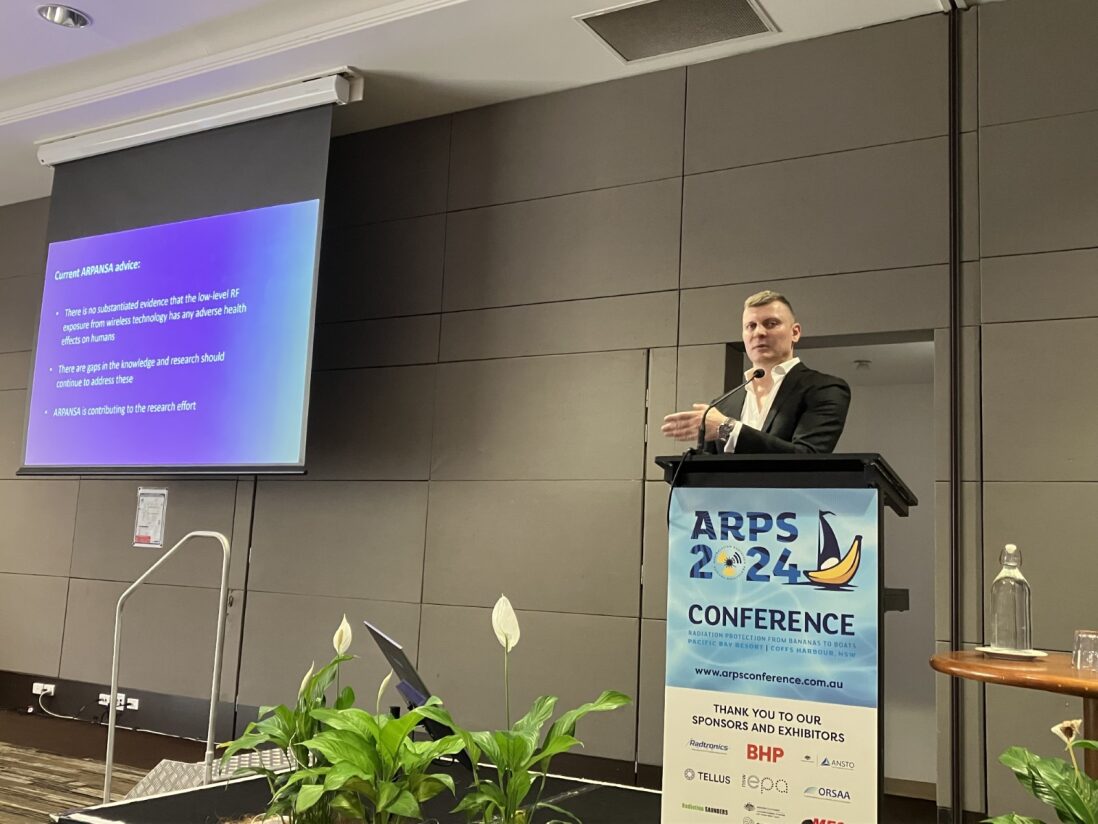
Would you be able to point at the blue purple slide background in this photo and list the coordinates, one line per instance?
(251, 407)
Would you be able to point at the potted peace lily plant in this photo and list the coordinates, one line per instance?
(518, 756)
(351, 765)
(1063, 786)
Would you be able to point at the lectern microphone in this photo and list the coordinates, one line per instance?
(758, 373)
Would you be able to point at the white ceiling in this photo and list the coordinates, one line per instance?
(419, 57)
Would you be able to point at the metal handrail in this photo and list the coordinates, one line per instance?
(219, 649)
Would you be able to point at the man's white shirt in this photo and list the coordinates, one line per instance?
(753, 413)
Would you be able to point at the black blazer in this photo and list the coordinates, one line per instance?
(808, 415)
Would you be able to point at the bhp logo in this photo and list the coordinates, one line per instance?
(756, 752)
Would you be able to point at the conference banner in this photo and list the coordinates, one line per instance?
(771, 704)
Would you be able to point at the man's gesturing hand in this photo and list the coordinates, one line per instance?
(683, 426)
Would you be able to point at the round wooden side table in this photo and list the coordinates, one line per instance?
(1051, 674)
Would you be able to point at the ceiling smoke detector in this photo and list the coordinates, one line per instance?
(65, 16)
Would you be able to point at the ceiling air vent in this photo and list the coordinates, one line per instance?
(658, 27)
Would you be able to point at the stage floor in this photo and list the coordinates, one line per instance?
(34, 784)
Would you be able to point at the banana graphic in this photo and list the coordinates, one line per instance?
(843, 571)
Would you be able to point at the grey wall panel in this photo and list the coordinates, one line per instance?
(972, 739)
(540, 418)
(36, 605)
(383, 269)
(654, 603)
(626, 131)
(662, 373)
(574, 657)
(970, 68)
(14, 370)
(167, 638)
(628, 322)
(387, 174)
(1036, 59)
(1049, 523)
(385, 342)
(103, 545)
(1037, 185)
(880, 85)
(1027, 438)
(970, 196)
(353, 540)
(19, 302)
(653, 658)
(370, 424)
(971, 422)
(12, 413)
(38, 520)
(283, 634)
(606, 242)
(888, 301)
(700, 378)
(1021, 717)
(878, 208)
(1068, 287)
(23, 238)
(568, 546)
(972, 564)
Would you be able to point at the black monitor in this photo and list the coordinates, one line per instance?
(411, 686)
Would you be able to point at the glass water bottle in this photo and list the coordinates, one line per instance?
(1011, 627)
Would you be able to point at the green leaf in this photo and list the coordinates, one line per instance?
(487, 744)
(308, 796)
(555, 746)
(345, 699)
(517, 789)
(396, 730)
(475, 802)
(342, 772)
(406, 806)
(387, 792)
(609, 700)
(539, 713)
(415, 756)
(350, 805)
(340, 745)
(426, 787)
(350, 719)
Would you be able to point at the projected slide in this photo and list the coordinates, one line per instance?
(180, 345)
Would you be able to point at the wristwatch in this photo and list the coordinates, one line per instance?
(724, 431)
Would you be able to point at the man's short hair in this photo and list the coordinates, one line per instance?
(765, 297)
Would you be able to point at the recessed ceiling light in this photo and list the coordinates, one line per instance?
(65, 16)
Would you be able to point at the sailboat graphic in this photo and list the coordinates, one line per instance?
(832, 567)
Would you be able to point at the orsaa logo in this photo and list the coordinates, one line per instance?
(828, 794)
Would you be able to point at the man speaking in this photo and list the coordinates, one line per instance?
(789, 408)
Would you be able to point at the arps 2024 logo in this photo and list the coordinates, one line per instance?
(761, 536)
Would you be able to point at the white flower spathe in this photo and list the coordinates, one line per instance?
(1068, 731)
(505, 623)
(305, 680)
(342, 638)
